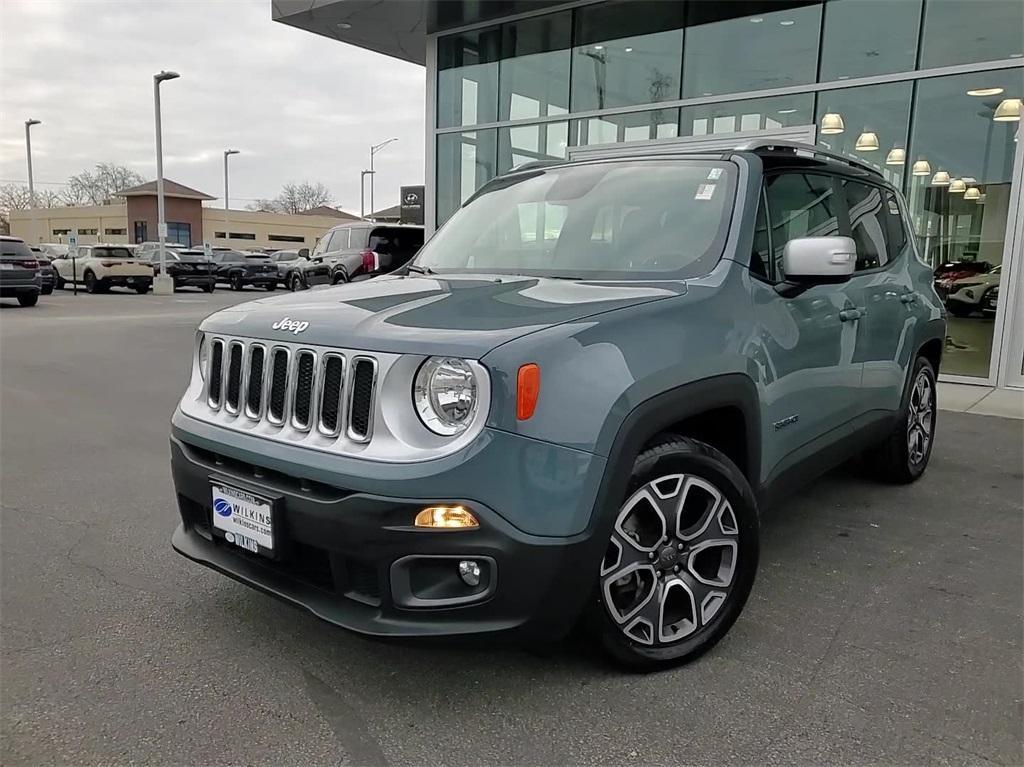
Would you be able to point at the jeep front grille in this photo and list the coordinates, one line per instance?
(326, 392)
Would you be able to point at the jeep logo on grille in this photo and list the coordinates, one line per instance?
(290, 326)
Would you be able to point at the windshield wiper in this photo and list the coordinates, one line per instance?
(420, 269)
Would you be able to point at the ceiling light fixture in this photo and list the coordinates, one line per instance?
(787, 23)
(1007, 111)
(897, 156)
(921, 168)
(756, 20)
(866, 142)
(598, 47)
(957, 186)
(786, 111)
(343, 25)
(941, 178)
(832, 123)
(972, 194)
(629, 50)
(984, 91)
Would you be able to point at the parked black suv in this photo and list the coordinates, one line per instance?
(188, 268)
(239, 269)
(357, 251)
(19, 272)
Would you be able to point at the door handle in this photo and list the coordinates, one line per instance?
(848, 315)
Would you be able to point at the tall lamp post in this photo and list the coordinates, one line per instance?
(362, 191)
(227, 153)
(31, 185)
(373, 151)
(163, 285)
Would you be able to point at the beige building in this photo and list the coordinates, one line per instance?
(189, 221)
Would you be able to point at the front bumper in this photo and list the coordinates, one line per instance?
(350, 555)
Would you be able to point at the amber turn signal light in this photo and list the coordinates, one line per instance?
(448, 517)
(527, 391)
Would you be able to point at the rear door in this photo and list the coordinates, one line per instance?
(16, 262)
(324, 255)
(394, 246)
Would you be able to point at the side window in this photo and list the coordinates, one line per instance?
(760, 255)
(800, 205)
(869, 224)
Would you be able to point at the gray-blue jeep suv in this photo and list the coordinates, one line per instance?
(570, 407)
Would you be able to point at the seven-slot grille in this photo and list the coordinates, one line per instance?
(307, 390)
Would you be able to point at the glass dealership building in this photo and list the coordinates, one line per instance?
(927, 91)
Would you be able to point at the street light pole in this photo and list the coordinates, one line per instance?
(163, 284)
(227, 233)
(31, 184)
(373, 151)
(362, 191)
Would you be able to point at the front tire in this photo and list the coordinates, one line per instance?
(48, 290)
(143, 289)
(681, 559)
(270, 287)
(958, 309)
(59, 282)
(903, 456)
(295, 283)
(237, 282)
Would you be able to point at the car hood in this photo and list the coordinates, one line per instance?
(464, 315)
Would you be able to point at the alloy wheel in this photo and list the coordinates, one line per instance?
(671, 561)
(921, 417)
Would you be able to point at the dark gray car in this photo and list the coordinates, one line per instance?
(360, 250)
(19, 272)
(572, 407)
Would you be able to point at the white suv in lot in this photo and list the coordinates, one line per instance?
(100, 267)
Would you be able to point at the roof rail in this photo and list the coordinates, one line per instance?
(807, 149)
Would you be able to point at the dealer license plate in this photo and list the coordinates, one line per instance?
(5, 267)
(246, 520)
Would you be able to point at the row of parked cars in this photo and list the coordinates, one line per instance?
(969, 287)
(348, 252)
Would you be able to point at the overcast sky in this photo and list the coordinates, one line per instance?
(299, 106)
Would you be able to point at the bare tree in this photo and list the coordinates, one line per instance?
(98, 187)
(296, 198)
(17, 197)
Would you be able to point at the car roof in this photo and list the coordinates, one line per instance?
(8, 238)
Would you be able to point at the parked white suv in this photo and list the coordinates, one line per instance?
(976, 293)
(99, 267)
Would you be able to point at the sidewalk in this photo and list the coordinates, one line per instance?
(981, 400)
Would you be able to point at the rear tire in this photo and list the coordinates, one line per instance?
(237, 282)
(339, 278)
(681, 559)
(295, 283)
(209, 288)
(28, 299)
(142, 289)
(271, 287)
(903, 456)
(59, 282)
(92, 285)
(47, 290)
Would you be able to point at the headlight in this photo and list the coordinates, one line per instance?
(204, 355)
(445, 395)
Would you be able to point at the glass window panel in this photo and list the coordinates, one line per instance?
(869, 37)
(748, 115)
(958, 32)
(869, 223)
(633, 126)
(872, 116)
(752, 52)
(465, 162)
(800, 205)
(467, 78)
(534, 70)
(525, 143)
(626, 53)
(962, 233)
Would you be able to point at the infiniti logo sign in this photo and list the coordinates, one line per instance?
(290, 326)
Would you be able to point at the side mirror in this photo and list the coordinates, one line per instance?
(819, 260)
(303, 252)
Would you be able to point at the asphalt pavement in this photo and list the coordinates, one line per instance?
(885, 626)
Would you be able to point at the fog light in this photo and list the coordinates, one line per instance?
(450, 517)
(469, 571)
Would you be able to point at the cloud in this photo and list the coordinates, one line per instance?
(298, 106)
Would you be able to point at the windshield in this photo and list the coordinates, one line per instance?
(615, 220)
(112, 253)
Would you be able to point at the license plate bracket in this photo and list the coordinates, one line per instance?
(244, 519)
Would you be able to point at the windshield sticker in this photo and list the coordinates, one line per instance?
(715, 174)
(704, 192)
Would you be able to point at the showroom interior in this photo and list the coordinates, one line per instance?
(926, 91)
